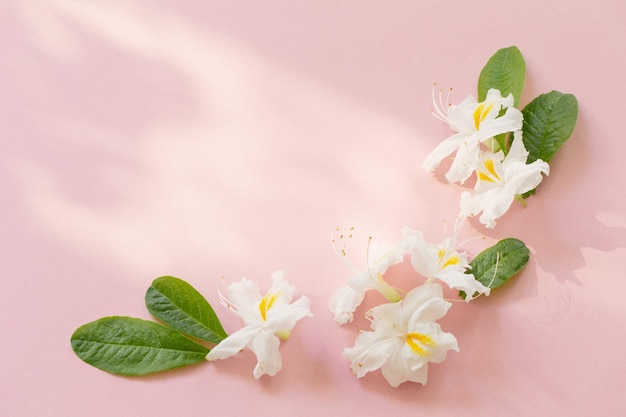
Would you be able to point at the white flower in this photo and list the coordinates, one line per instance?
(500, 180)
(443, 262)
(405, 338)
(475, 123)
(265, 318)
(347, 298)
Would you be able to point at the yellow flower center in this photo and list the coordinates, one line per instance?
(419, 343)
(481, 113)
(453, 260)
(490, 173)
(266, 303)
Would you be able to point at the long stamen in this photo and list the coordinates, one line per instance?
(495, 270)
(439, 110)
(445, 106)
(343, 253)
(450, 245)
(471, 239)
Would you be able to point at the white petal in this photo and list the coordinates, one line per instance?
(281, 319)
(388, 318)
(423, 255)
(493, 94)
(344, 302)
(461, 116)
(233, 343)
(518, 151)
(384, 256)
(245, 296)
(471, 203)
(265, 346)
(282, 288)
(494, 206)
(509, 122)
(444, 149)
(424, 303)
(522, 177)
(464, 162)
(445, 342)
(370, 352)
(463, 282)
(398, 370)
(491, 201)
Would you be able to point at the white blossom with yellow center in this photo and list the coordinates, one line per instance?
(265, 319)
(405, 338)
(444, 262)
(475, 123)
(499, 180)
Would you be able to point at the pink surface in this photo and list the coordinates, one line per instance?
(229, 139)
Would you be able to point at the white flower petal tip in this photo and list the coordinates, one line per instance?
(267, 319)
(405, 338)
(344, 302)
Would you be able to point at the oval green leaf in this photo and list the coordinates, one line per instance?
(130, 346)
(506, 71)
(496, 265)
(178, 304)
(549, 121)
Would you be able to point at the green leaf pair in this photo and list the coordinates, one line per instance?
(131, 346)
(549, 119)
(496, 265)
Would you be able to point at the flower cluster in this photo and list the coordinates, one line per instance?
(487, 144)
(404, 336)
(266, 319)
(443, 262)
(502, 174)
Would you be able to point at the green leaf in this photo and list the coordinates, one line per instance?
(549, 121)
(181, 306)
(506, 71)
(496, 265)
(130, 346)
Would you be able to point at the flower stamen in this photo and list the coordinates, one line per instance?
(440, 108)
(481, 113)
(266, 304)
(489, 174)
(419, 343)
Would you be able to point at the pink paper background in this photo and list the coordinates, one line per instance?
(228, 139)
